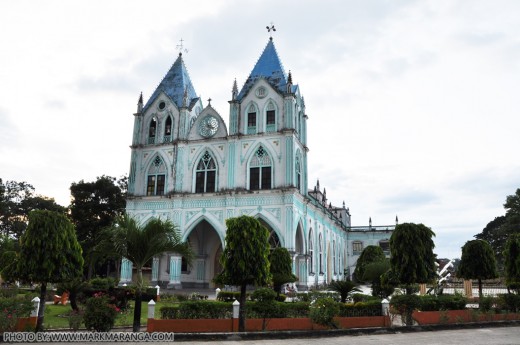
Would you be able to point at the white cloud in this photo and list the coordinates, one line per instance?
(413, 105)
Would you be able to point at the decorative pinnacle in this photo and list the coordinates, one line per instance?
(209, 101)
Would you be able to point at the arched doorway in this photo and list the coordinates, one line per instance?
(207, 247)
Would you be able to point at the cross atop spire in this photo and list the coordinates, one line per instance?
(180, 47)
(270, 29)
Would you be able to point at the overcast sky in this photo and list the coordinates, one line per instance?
(413, 105)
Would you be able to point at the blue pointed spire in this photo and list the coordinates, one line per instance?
(175, 84)
(268, 67)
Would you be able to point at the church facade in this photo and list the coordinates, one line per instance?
(189, 167)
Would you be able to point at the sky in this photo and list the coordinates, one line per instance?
(413, 106)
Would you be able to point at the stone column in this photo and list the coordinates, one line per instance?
(155, 269)
(468, 288)
(126, 271)
(175, 272)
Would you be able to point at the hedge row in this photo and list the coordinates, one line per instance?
(369, 308)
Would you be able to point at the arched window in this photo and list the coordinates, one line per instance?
(152, 131)
(274, 240)
(320, 248)
(205, 175)
(298, 174)
(270, 118)
(156, 177)
(311, 252)
(251, 120)
(260, 170)
(168, 130)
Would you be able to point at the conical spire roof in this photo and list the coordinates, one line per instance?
(174, 84)
(268, 67)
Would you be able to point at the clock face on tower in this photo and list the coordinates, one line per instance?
(208, 126)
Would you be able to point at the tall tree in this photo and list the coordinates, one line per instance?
(17, 199)
(95, 205)
(498, 230)
(512, 262)
(369, 255)
(245, 259)
(281, 268)
(374, 272)
(412, 259)
(477, 262)
(49, 253)
(139, 244)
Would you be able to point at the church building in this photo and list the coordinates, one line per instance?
(188, 166)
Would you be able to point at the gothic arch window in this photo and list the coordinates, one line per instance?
(206, 174)
(156, 177)
(152, 131)
(298, 174)
(274, 240)
(260, 170)
(168, 130)
(270, 118)
(320, 249)
(251, 119)
(311, 252)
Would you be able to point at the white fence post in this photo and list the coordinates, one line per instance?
(36, 306)
(158, 288)
(236, 307)
(151, 309)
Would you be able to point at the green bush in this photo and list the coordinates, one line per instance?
(486, 303)
(102, 283)
(369, 308)
(229, 296)
(198, 310)
(509, 302)
(9, 292)
(359, 297)
(442, 302)
(405, 305)
(294, 310)
(315, 294)
(99, 314)
(323, 310)
(11, 309)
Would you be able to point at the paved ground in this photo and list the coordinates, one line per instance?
(506, 335)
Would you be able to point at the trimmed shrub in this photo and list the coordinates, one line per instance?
(509, 302)
(442, 302)
(294, 310)
(229, 296)
(323, 310)
(370, 308)
(102, 283)
(99, 314)
(359, 297)
(198, 310)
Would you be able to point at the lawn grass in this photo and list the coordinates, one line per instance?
(56, 316)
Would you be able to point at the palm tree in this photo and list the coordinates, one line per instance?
(140, 244)
(344, 288)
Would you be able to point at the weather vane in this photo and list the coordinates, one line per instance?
(181, 48)
(269, 29)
